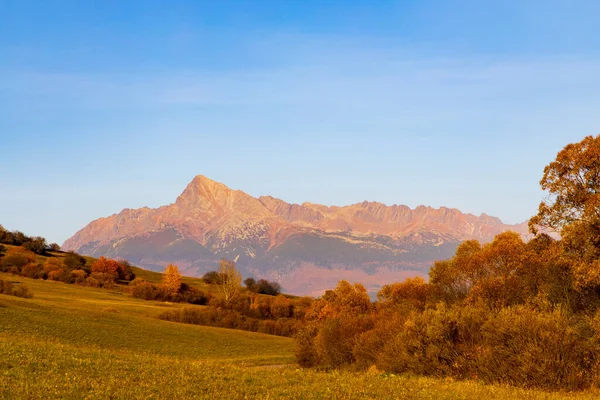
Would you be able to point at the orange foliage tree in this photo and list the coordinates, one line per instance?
(106, 266)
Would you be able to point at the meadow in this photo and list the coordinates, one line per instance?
(76, 342)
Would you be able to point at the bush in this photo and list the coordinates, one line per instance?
(51, 265)
(75, 261)
(145, 290)
(263, 286)
(125, 271)
(37, 245)
(212, 278)
(60, 275)
(54, 247)
(229, 319)
(136, 282)
(192, 295)
(79, 276)
(305, 351)
(10, 289)
(101, 280)
(250, 284)
(547, 350)
(33, 271)
(17, 257)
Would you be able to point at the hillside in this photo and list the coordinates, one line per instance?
(73, 342)
(307, 247)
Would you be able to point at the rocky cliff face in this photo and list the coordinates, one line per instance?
(307, 247)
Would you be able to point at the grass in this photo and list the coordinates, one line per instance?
(73, 342)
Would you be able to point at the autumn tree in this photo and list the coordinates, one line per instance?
(106, 266)
(172, 279)
(413, 291)
(572, 181)
(230, 283)
(504, 272)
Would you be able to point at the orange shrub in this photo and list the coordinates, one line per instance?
(17, 257)
(32, 270)
(79, 275)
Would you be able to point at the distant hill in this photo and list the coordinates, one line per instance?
(306, 247)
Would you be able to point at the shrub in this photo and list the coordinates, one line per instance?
(250, 284)
(53, 264)
(10, 289)
(101, 280)
(17, 257)
(263, 286)
(547, 350)
(224, 318)
(13, 270)
(305, 351)
(192, 295)
(212, 278)
(282, 307)
(75, 261)
(60, 275)
(337, 337)
(78, 275)
(36, 244)
(54, 247)
(32, 270)
(125, 271)
(145, 290)
(136, 282)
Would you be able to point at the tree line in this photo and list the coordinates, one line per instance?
(36, 244)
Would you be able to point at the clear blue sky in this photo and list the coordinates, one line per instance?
(106, 105)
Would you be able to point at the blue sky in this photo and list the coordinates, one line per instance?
(106, 105)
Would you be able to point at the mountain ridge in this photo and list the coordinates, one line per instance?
(272, 238)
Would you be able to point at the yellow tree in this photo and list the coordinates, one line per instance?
(172, 279)
(230, 281)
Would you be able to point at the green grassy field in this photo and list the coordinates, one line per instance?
(73, 342)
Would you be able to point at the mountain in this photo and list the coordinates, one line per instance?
(306, 247)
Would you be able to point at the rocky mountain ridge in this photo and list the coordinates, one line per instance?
(294, 243)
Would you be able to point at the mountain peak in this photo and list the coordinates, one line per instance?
(202, 191)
